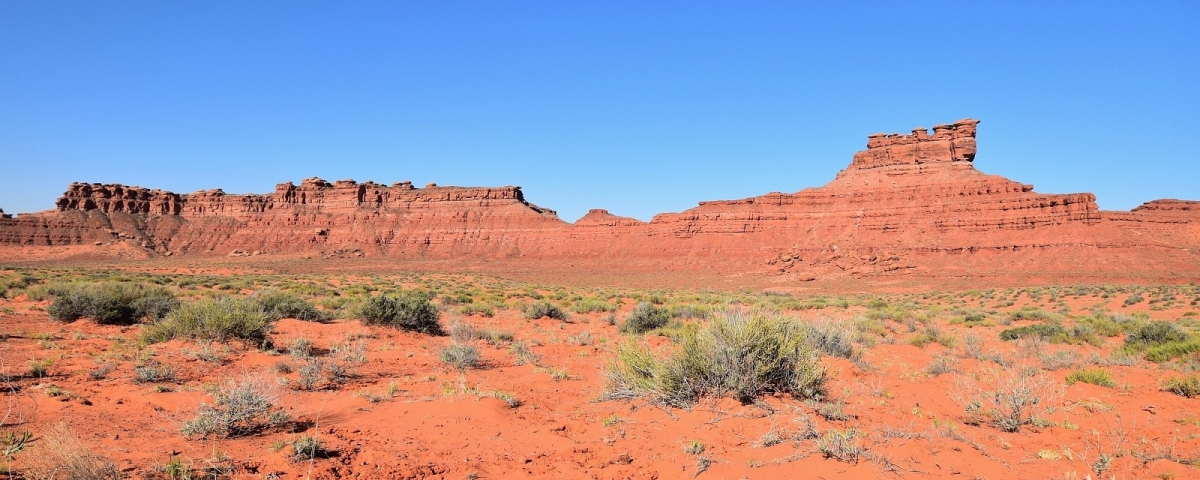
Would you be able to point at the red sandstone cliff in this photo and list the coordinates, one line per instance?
(908, 203)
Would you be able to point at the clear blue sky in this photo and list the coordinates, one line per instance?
(637, 107)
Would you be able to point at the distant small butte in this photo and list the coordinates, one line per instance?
(909, 205)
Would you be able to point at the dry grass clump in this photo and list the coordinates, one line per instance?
(1007, 398)
(1094, 376)
(240, 406)
(843, 446)
(460, 356)
(60, 455)
(832, 338)
(736, 354)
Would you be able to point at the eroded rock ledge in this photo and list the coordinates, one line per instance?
(907, 203)
(318, 194)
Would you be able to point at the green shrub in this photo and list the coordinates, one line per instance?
(538, 310)
(1094, 376)
(523, 354)
(218, 320)
(1036, 315)
(1155, 333)
(286, 305)
(1040, 330)
(410, 310)
(1185, 386)
(933, 334)
(481, 309)
(110, 303)
(645, 317)
(40, 368)
(1109, 326)
(734, 355)
(592, 304)
(1170, 351)
(16, 284)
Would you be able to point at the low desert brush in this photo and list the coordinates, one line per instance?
(460, 356)
(286, 305)
(112, 303)
(544, 309)
(1094, 376)
(592, 304)
(218, 320)
(933, 334)
(522, 354)
(736, 354)
(307, 447)
(1184, 386)
(832, 337)
(240, 406)
(410, 310)
(645, 317)
(841, 445)
(1007, 398)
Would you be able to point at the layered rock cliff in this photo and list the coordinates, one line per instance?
(908, 203)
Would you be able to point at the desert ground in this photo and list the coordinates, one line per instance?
(186, 371)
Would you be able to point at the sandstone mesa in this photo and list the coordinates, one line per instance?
(907, 205)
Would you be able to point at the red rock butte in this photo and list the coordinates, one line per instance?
(908, 205)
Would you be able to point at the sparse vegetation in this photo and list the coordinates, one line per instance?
(1184, 386)
(285, 305)
(736, 354)
(1007, 398)
(306, 447)
(240, 406)
(645, 317)
(460, 356)
(544, 309)
(411, 311)
(832, 338)
(59, 454)
(1094, 376)
(841, 445)
(218, 320)
(110, 303)
(702, 351)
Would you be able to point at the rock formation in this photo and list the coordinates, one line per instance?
(908, 203)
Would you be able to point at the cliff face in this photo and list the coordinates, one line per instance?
(908, 203)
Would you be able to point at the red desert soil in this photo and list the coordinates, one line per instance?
(403, 413)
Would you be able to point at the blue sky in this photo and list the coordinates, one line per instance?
(637, 107)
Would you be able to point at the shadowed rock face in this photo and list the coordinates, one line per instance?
(908, 203)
